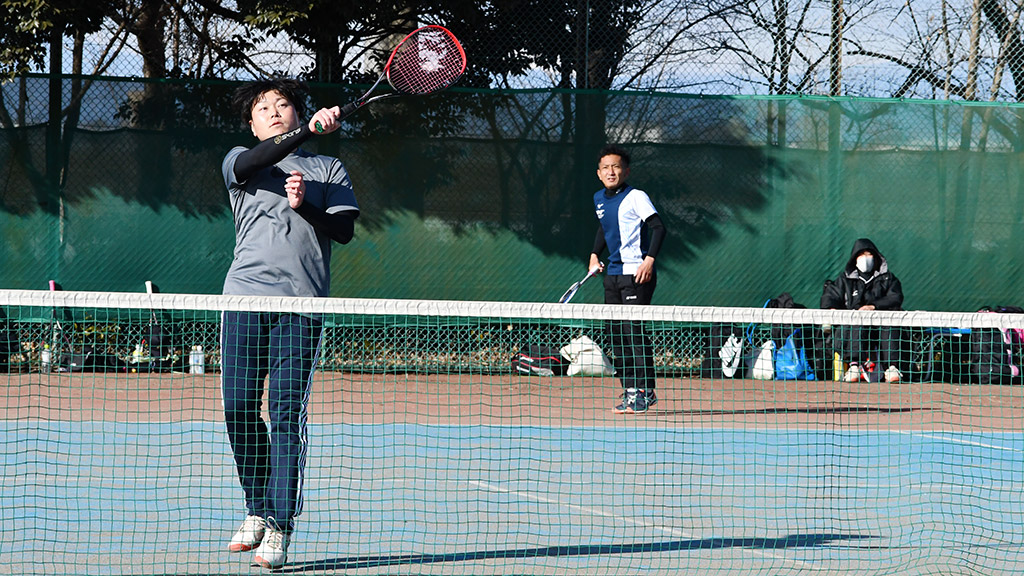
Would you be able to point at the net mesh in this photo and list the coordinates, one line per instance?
(444, 439)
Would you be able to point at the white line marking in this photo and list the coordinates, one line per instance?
(597, 512)
(953, 440)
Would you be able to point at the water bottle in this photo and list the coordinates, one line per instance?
(196, 362)
(44, 359)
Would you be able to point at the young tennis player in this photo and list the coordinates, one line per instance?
(630, 228)
(288, 205)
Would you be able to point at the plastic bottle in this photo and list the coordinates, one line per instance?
(196, 361)
(44, 358)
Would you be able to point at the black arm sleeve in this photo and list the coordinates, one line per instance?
(269, 152)
(339, 226)
(657, 228)
(599, 243)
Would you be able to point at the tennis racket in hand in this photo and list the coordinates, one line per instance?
(427, 60)
(575, 287)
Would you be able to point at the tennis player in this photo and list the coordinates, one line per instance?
(288, 205)
(630, 228)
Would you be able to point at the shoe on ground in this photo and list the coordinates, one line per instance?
(249, 534)
(273, 551)
(893, 374)
(633, 402)
(853, 374)
(652, 398)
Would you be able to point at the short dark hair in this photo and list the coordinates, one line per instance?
(247, 95)
(616, 150)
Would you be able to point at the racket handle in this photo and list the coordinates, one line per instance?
(346, 111)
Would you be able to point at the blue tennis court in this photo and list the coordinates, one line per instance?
(400, 498)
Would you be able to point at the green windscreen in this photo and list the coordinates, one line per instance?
(481, 195)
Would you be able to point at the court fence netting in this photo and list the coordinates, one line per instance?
(458, 437)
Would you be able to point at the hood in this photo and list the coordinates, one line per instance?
(862, 244)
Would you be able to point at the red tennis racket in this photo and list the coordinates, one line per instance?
(428, 60)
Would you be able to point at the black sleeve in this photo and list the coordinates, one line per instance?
(599, 244)
(657, 228)
(893, 297)
(339, 226)
(269, 152)
(832, 295)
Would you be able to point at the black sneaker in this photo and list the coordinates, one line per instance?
(634, 401)
(652, 398)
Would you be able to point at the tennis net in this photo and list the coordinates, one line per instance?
(457, 438)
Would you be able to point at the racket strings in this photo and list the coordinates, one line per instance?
(427, 61)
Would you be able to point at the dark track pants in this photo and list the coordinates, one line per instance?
(631, 346)
(880, 343)
(283, 350)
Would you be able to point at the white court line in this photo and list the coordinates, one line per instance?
(807, 487)
(623, 519)
(587, 510)
(955, 440)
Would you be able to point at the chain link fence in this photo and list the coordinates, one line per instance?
(763, 192)
(931, 49)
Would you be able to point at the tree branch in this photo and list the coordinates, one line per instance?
(917, 73)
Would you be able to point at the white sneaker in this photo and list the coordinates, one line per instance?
(273, 552)
(249, 534)
(893, 374)
(853, 374)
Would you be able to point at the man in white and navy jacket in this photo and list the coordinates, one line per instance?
(630, 228)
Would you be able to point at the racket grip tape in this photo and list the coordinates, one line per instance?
(347, 110)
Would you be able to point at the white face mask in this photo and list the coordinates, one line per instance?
(865, 263)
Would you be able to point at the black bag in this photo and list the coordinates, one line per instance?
(157, 350)
(9, 344)
(89, 360)
(727, 351)
(157, 339)
(990, 357)
(539, 360)
(994, 352)
(731, 348)
(1003, 309)
(810, 338)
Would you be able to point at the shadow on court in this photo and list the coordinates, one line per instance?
(792, 541)
(802, 410)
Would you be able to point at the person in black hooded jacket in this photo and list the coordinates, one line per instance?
(866, 283)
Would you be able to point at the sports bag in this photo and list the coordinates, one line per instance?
(537, 360)
(994, 352)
